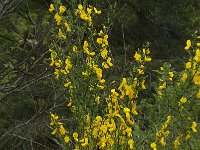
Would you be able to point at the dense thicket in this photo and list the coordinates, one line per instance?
(28, 90)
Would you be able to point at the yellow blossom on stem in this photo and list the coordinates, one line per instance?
(58, 18)
(85, 143)
(75, 136)
(188, 65)
(131, 143)
(68, 27)
(147, 59)
(97, 11)
(154, 146)
(99, 40)
(66, 139)
(187, 136)
(69, 104)
(104, 53)
(188, 44)
(62, 9)
(51, 8)
(75, 49)
(61, 35)
(197, 56)
(143, 85)
(163, 86)
(133, 110)
(162, 141)
(105, 65)
(62, 130)
(184, 77)
(54, 131)
(183, 100)
(109, 62)
(193, 127)
(137, 57)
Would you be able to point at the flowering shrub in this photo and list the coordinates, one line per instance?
(112, 114)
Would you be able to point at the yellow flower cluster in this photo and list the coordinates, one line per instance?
(177, 141)
(59, 19)
(105, 115)
(115, 125)
(182, 101)
(193, 63)
(58, 128)
(141, 57)
(86, 14)
(162, 134)
(102, 40)
(128, 90)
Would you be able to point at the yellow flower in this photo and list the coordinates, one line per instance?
(188, 65)
(133, 110)
(198, 44)
(147, 59)
(183, 100)
(105, 65)
(66, 139)
(62, 130)
(80, 7)
(75, 136)
(85, 142)
(62, 9)
(162, 141)
(84, 16)
(69, 104)
(58, 63)
(131, 143)
(143, 85)
(137, 57)
(54, 131)
(61, 35)
(196, 79)
(68, 65)
(56, 73)
(187, 136)
(197, 56)
(109, 62)
(184, 77)
(89, 11)
(176, 143)
(104, 128)
(51, 8)
(188, 44)
(193, 127)
(85, 74)
(96, 11)
(68, 27)
(126, 110)
(162, 86)
(98, 118)
(153, 146)
(54, 116)
(58, 18)
(99, 40)
(100, 33)
(105, 40)
(91, 53)
(67, 84)
(171, 75)
(75, 49)
(104, 53)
